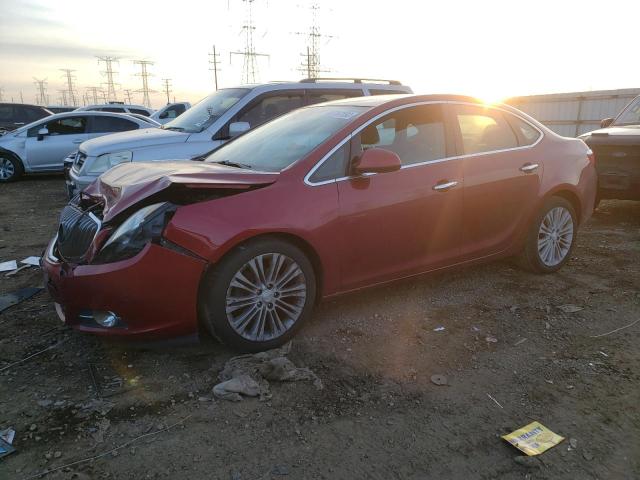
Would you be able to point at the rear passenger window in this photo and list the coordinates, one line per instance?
(415, 134)
(379, 91)
(319, 96)
(112, 109)
(527, 134)
(484, 130)
(333, 167)
(139, 111)
(271, 107)
(111, 124)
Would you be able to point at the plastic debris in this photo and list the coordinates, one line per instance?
(533, 439)
(438, 380)
(439, 329)
(14, 298)
(6, 439)
(491, 339)
(8, 266)
(33, 261)
(570, 308)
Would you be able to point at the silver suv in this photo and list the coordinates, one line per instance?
(217, 118)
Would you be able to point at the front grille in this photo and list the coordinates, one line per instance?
(79, 161)
(76, 232)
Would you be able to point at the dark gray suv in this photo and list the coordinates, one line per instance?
(15, 115)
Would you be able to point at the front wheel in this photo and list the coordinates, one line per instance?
(10, 169)
(551, 237)
(259, 295)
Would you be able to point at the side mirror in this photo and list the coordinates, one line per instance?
(42, 133)
(377, 160)
(606, 122)
(238, 128)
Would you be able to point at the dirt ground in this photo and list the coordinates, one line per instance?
(379, 415)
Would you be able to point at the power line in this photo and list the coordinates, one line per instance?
(41, 96)
(166, 84)
(127, 92)
(213, 65)
(92, 95)
(70, 95)
(109, 73)
(311, 64)
(146, 101)
(250, 70)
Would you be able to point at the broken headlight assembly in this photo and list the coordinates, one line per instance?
(144, 226)
(108, 160)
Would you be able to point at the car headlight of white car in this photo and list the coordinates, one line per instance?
(108, 160)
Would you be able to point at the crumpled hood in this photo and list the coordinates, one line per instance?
(129, 183)
(117, 142)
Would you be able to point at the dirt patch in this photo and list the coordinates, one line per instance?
(379, 415)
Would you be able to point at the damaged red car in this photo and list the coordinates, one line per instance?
(324, 200)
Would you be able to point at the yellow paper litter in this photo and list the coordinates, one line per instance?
(533, 439)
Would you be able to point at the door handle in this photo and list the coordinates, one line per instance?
(18, 123)
(444, 186)
(529, 167)
(77, 141)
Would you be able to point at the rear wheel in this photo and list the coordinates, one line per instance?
(259, 295)
(10, 169)
(551, 237)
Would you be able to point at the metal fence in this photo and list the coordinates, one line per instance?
(572, 114)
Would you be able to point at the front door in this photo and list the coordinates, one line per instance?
(501, 177)
(48, 151)
(404, 222)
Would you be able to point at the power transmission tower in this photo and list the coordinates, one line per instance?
(41, 97)
(146, 101)
(63, 98)
(92, 95)
(1, 92)
(213, 65)
(250, 69)
(127, 92)
(70, 95)
(109, 73)
(311, 63)
(166, 84)
(21, 97)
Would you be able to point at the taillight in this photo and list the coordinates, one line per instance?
(591, 156)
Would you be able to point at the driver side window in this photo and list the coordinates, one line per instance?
(61, 126)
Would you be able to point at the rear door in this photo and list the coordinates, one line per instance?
(408, 221)
(502, 176)
(49, 151)
(102, 125)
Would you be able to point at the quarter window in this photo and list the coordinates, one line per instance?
(415, 134)
(527, 134)
(333, 167)
(484, 130)
(271, 107)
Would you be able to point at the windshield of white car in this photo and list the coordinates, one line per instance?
(279, 143)
(630, 115)
(206, 111)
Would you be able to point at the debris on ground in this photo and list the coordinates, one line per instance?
(8, 266)
(519, 342)
(491, 339)
(438, 380)
(14, 298)
(528, 462)
(6, 439)
(250, 374)
(439, 329)
(32, 261)
(533, 439)
(570, 308)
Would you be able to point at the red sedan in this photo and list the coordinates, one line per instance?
(324, 200)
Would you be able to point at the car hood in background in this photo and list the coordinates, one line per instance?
(118, 142)
(127, 184)
(623, 135)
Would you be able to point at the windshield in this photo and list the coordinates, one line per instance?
(207, 110)
(275, 145)
(630, 115)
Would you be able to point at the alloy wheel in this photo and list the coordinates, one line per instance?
(7, 169)
(555, 236)
(266, 297)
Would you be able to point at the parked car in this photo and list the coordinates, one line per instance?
(170, 111)
(15, 115)
(117, 107)
(219, 117)
(324, 200)
(60, 108)
(43, 145)
(149, 120)
(617, 150)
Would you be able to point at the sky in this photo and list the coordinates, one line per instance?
(490, 49)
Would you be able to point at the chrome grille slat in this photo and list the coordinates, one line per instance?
(76, 232)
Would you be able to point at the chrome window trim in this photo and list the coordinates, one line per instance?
(417, 164)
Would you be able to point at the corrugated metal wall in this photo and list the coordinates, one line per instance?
(572, 114)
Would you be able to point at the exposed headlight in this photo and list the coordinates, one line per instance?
(108, 160)
(144, 226)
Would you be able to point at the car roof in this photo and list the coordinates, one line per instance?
(114, 105)
(323, 85)
(23, 105)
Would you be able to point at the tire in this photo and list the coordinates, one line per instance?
(557, 222)
(10, 169)
(260, 318)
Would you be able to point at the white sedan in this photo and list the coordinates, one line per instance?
(43, 145)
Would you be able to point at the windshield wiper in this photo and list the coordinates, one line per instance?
(177, 129)
(229, 163)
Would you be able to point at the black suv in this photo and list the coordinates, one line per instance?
(617, 151)
(15, 115)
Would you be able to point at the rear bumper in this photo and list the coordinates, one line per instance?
(154, 293)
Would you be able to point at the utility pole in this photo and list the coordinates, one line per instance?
(21, 97)
(109, 73)
(250, 66)
(311, 63)
(41, 97)
(1, 92)
(63, 98)
(127, 92)
(146, 101)
(166, 83)
(213, 65)
(70, 95)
